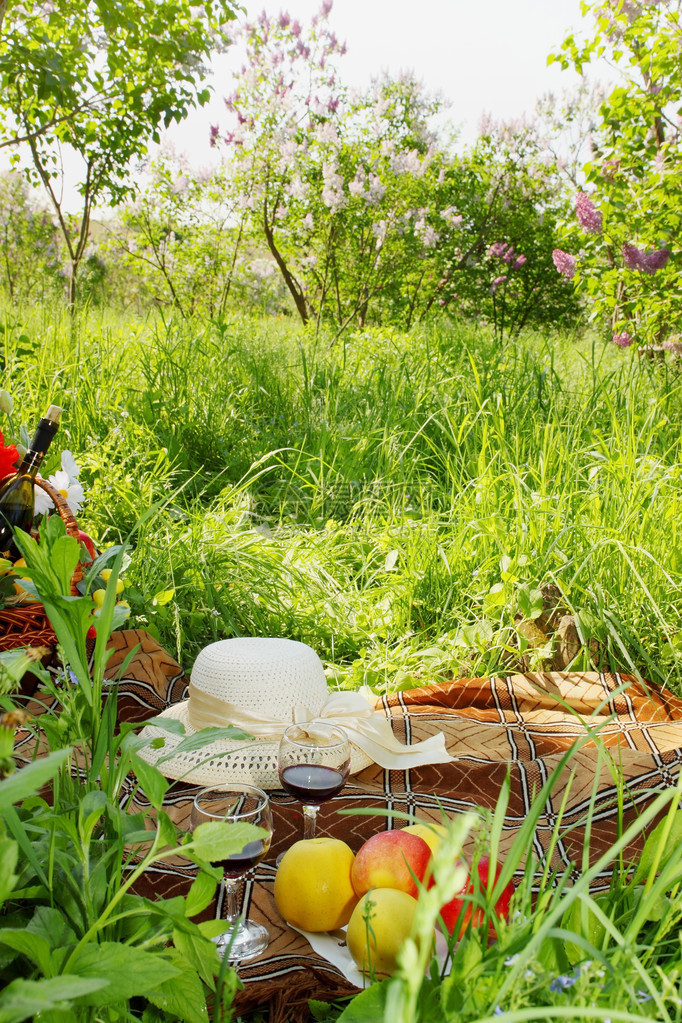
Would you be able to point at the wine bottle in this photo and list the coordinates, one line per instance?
(16, 491)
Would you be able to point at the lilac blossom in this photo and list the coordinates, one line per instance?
(451, 216)
(656, 260)
(298, 188)
(565, 263)
(623, 340)
(647, 262)
(497, 249)
(519, 262)
(589, 217)
(497, 282)
(673, 345)
(632, 257)
(375, 190)
(356, 187)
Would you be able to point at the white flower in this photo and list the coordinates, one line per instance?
(69, 465)
(298, 188)
(70, 489)
(65, 480)
(42, 502)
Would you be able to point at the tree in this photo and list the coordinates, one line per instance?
(629, 212)
(337, 185)
(100, 79)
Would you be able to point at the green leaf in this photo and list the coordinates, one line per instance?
(167, 831)
(30, 779)
(24, 999)
(216, 840)
(198, 952)
(50, 923)
(64, 557)
(201, 738)
(9, 854)
(530, 602)
(168, 725)
(128, 971)
(185, 998)
(153, 782)
(368, 1006)
(200, 895)
(661, 843)
(34, 947)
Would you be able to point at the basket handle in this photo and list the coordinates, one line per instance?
(69, 521)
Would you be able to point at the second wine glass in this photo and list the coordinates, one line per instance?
(313, 765)
(237, 804)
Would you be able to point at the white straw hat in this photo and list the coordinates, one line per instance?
(260, 685)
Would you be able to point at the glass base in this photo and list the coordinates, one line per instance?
(245, 940)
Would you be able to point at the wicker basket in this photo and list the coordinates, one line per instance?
(28, 624)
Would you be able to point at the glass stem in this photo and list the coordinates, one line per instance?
(231, 887)
(309, 821)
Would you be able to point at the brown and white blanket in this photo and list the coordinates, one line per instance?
(626, 733)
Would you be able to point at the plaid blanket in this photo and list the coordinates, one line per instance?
(522, 725)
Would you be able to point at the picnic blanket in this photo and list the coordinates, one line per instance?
(521, 725)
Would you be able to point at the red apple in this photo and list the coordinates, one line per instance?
(465, 909)
(391, 859)
(89, 544)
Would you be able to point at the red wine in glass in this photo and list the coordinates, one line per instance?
(313, 763)
(251, 854)
(313, 783)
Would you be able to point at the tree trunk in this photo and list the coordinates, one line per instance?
(289, 279)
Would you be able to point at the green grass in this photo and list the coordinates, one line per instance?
(366, 497)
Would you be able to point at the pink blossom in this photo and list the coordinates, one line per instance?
(497, 249)
(623, 340)
(656, 260)
(673, 345)
(565, 263)
(213, 137)
(376, 190)
(498, 281)
(284, 19)
(296, 28)
(589, 217)
(633, 258)
(647, 262)
(518, 262)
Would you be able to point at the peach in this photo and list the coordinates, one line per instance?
(391, 859)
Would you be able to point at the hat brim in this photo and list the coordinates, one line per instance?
(222, 761)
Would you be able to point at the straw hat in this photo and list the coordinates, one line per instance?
(259, 685)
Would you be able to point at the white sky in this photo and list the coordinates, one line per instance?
(482, 55)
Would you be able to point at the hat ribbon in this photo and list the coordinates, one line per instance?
(367, 728)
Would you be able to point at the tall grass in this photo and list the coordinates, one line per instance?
(385, 499)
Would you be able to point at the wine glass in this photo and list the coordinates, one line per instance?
(313, 765)
(237, 804)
